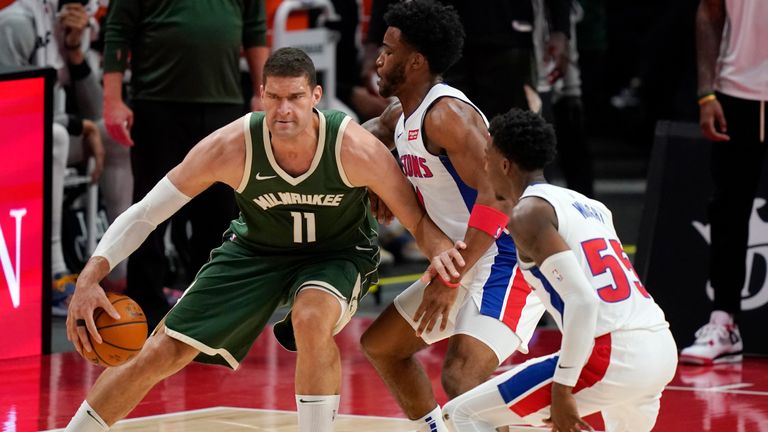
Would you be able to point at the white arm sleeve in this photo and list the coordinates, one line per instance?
(131, 228)
(563, 271)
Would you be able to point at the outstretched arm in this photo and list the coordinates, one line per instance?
(457, 129)
(217, 158)
(368, 163)
(534, 228)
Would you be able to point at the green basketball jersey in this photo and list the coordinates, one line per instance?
(318, 211)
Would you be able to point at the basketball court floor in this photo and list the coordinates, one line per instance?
(41, 393)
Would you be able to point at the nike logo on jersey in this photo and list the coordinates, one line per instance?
(261, 177)
(399, 135)
(309, 401)
(564, 367)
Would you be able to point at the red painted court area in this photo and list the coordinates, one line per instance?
(40, 393)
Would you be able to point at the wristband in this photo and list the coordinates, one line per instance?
(706, 98)
(488, 220)
(450, 284)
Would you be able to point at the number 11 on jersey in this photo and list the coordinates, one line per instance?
(298, 227)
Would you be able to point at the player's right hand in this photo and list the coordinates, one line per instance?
(712, 121)
(87, 298)
(118, 119)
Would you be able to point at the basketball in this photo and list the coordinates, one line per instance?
(121, 339)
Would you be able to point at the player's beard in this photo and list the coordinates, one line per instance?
(388, 84)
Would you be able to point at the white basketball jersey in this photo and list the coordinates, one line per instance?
(586, 226)
(446, 198)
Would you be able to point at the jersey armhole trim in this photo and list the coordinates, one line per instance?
(562, 222)
(452, 93)
(248, 153)
(339, 139)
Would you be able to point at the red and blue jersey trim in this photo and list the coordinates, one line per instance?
(468, 194)
(554, 297)
(517, 297)
(530, 390)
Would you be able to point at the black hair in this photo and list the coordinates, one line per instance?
(290, 62)
(524, 138)
(432, 29)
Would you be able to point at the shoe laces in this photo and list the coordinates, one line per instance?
(711, 331)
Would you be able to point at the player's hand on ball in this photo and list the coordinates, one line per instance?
(87, 298)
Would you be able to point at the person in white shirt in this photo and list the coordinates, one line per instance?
(733, 90)
(617, 352)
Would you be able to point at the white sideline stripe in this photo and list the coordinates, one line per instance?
(243, 425)
(158, 416)
(341, 415)
(730, 388)
(225, 408)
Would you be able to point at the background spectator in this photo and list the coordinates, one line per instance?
(562, 103)
(733, 90)
(49, 33)
(185, 83)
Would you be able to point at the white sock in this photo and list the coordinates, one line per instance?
(86, 420)
(432, 422)
(317, 412)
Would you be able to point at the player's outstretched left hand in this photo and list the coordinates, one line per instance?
(564, 415)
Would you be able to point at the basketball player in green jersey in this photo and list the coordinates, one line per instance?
(305, 237)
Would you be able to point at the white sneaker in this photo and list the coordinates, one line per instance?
(716, 342)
